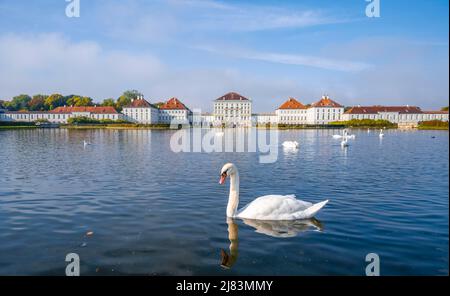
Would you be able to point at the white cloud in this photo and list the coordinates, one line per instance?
(177, 20)
(289, 59)
(50, 63)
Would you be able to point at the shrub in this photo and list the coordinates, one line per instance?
(41, 120)
(434, 124)
(82, 120)
(111, 121)
(379, 123)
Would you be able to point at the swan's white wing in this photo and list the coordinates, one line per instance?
(273, 207)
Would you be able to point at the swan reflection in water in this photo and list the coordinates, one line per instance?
(279, 229)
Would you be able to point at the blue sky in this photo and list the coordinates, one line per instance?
(198, 50)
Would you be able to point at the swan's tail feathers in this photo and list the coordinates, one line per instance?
(312, 210)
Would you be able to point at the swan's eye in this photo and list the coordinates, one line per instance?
(224, 174)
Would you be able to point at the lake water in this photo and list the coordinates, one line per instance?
(156, 212)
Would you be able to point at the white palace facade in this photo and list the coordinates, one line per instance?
(322, 112)
(61, 114)
(402, 115)
(233, 109)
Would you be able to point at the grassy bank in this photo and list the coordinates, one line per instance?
(366, 123)
(116, 126)
(16, 125)
(433, 125)
(4, 127)
(297, 126)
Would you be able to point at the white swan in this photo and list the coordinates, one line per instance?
(86, 143)
(344, 134)
(267, 207)
(381, 133)
(290, 144)
(344, 142)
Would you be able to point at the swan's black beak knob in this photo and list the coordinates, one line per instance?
(222, 178)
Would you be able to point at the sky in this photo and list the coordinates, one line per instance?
(198, 50)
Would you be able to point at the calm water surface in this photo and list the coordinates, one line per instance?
(156, 212)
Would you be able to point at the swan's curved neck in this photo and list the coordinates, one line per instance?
(233, 199)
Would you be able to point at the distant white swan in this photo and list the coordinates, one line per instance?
(86, 143)
(344, 134)
(344, 142)
(381, 133)
(267, 207)
(290, 144)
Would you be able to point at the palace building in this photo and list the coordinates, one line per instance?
(174, 111)
(233, 109)
(62, 114)
(402, 115)
(141, 111)
(292, 112)
(324, 111)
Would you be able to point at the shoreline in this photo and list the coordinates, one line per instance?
(144, 127)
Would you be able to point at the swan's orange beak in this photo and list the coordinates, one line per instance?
(222, 178)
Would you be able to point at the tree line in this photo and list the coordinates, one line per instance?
(40, 102)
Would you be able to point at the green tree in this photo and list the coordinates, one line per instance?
(2, 104)
(159, 104)
(79, 101)
(19, 102)
(126, 98)
(109, 103)
(55, 100)
(37, 103)
(444, 108)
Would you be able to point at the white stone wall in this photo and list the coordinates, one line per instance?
(265, 118)
(173, 116)
(292, 116)
(324, 115)
(53, 117)
(396, 117)
(141, 115)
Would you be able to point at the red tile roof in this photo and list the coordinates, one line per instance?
(435, 112)
(173, 104)
(25, 112)
(139, 103)
(292, 103)
(91, 109)
(377, 109)
(232, 96)
(326, 102)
